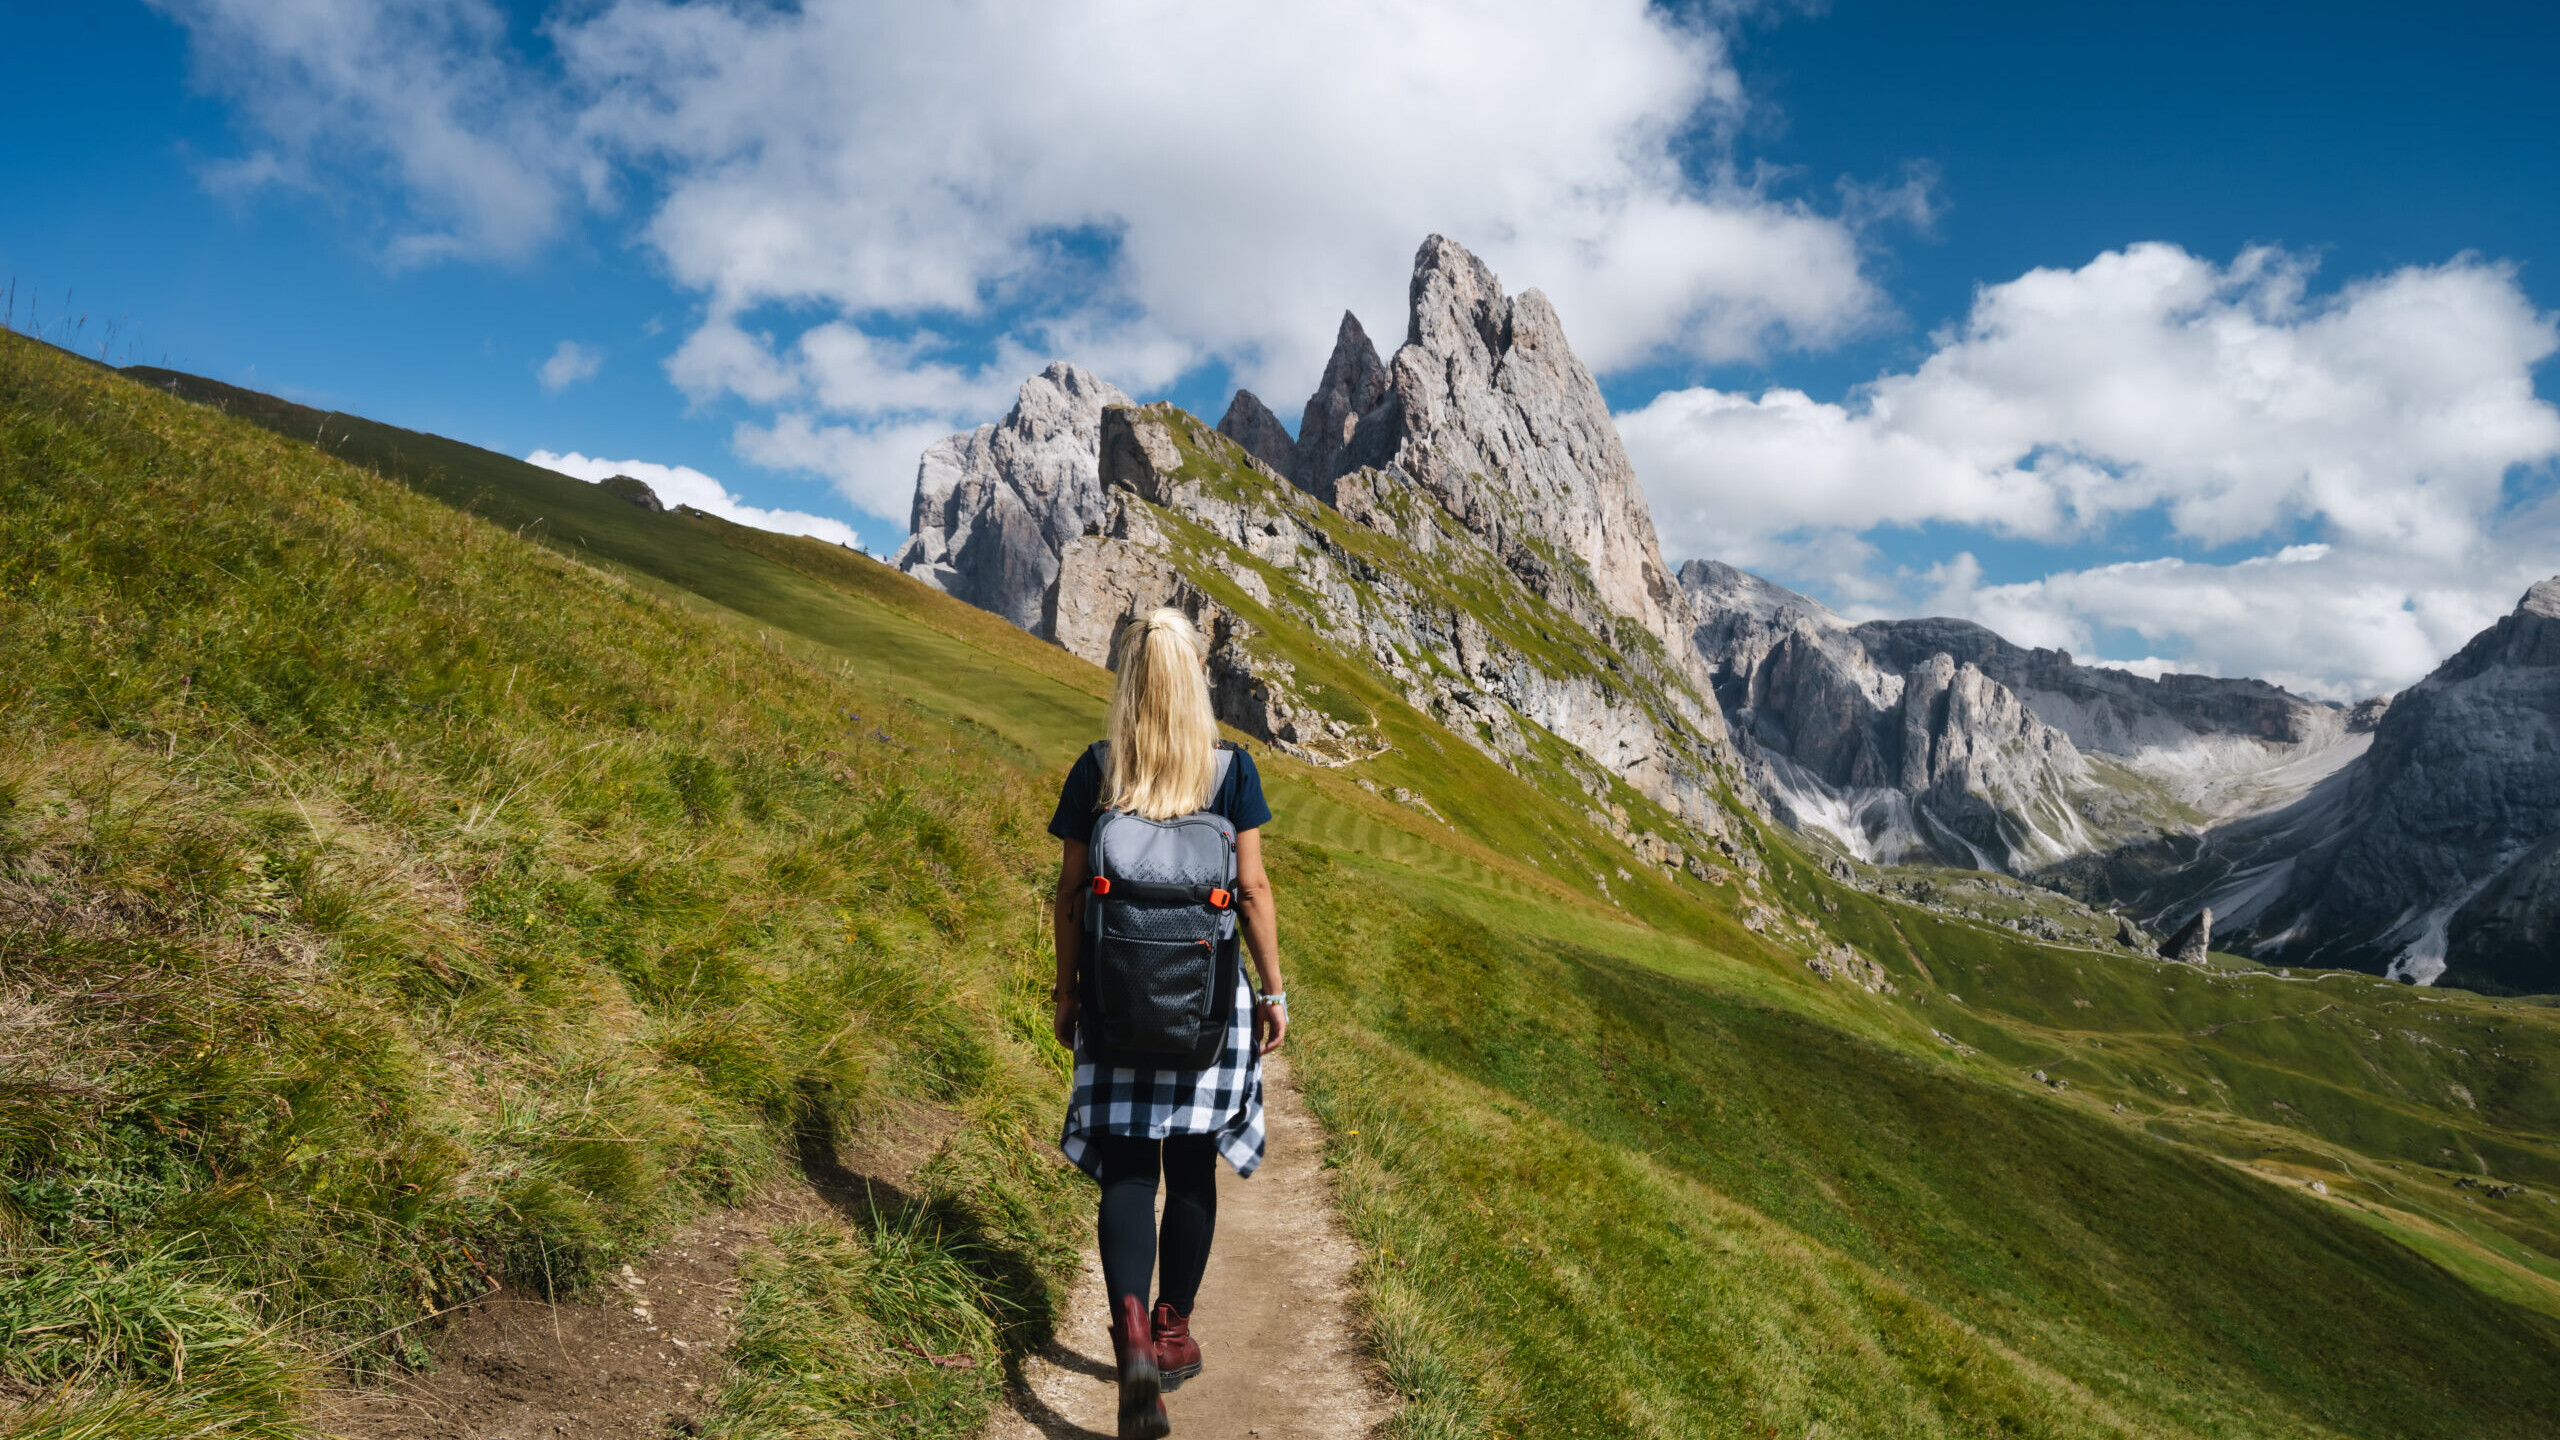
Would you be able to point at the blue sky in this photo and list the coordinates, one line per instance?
(1827, 266)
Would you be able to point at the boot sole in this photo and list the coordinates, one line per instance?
(1141, 1416)
(1173, 1379)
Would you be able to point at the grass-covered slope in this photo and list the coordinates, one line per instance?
(391, 909)
(1620, 1165)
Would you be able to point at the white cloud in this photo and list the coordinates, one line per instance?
(864, 165)
(418, 90)
(1256, 170)
(871, 464)
(683, 485)
(568, 365)
(2389, 418)
(2359, 624)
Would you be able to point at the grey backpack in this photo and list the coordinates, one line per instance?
(1158, 980)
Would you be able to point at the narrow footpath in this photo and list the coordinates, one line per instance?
(636, 1361)
(1281, 1351)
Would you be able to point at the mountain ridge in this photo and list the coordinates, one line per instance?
(1938, 738)
(2429, 857)
(1929, 739)
(1461, 521)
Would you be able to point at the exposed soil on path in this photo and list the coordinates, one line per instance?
(1282, 1355)
(636, 1359)
(631, 1362)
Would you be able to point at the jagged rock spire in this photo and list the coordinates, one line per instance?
(1251, 424)
(1354, 383)
(1486, 409)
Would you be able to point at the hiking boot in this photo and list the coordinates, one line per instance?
(1177, 1354)
(1142, 1414)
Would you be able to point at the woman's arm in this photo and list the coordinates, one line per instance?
(1261, 935)
(1066, 928)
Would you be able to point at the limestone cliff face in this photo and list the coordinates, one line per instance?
(1928, 758)
(993, 507)
(1513, 580)
(1937, 738)
(1449, 629)
(1486, 411)
(2435, 855)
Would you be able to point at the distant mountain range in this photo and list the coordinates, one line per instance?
(1466, 526)
(1937, 739)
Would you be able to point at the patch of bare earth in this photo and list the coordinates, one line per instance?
(642, 1355)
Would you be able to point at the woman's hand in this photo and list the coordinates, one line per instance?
(1063, 1025)
(1270, 1024)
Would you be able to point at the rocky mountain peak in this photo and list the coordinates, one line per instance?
(1251, 424)
(1489, 414)
(1354, 383)
(2527, 638)
(1455, 305)
(2543, 600)
(994, 506)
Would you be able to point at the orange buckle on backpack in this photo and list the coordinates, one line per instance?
(1101, 885)
(1220, 899)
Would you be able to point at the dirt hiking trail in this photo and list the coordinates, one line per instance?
(639, 1360)
(1281, 1351)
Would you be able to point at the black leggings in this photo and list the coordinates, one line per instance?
(1127, 1226)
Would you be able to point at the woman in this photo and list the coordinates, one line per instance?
(1126, 1125)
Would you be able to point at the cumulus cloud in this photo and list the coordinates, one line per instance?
(422, 91)
(1144, 188)
(2392, 419)
(568, 365)
(683, 485)
(873, 465)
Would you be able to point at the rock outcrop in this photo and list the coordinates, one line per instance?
(2192, 941)
(1251, 424)
(633, 489)
(2434, 856)
(1939, 739)
(994, 507)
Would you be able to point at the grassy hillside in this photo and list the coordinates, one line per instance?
(355, 845)
(391, 910)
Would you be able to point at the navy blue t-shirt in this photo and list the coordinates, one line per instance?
(1079, 800)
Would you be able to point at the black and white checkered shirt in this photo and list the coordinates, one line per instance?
(1224, 1100)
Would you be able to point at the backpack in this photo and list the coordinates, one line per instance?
(1158, 979)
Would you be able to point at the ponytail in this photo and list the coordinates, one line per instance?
(1162, 731)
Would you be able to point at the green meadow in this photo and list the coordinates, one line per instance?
(421, 873)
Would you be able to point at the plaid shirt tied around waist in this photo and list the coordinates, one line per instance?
(1147, 1103)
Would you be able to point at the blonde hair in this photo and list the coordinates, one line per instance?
(1162, 731)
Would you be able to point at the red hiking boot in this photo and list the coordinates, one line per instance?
(1142, 1414)
(1177, 1354)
